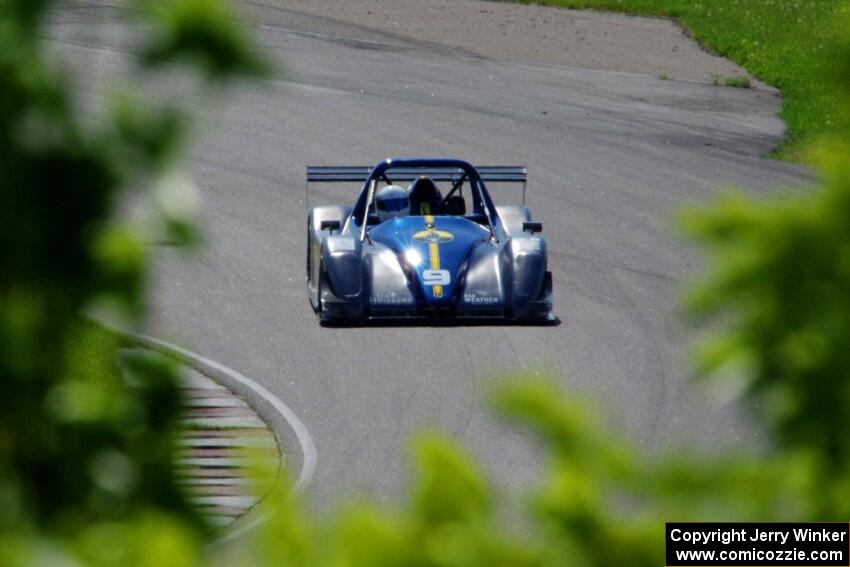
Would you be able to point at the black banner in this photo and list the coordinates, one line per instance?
(763, 544)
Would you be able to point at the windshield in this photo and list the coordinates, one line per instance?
(435, 187)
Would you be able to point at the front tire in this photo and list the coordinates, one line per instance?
(324, 320)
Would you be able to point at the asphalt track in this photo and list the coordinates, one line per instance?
(610, 157)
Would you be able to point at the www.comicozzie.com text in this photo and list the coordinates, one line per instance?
(743, 534)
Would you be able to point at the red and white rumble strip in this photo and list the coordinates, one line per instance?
(220, 431)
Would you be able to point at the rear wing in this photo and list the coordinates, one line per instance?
(357, 173)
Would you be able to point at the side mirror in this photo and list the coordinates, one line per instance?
(330, 225)
(532, 227)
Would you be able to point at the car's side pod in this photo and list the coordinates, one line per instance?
(528, 277)
(342, 258)
(321, 222)
(530, 281)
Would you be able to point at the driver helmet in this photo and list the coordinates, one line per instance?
(391, 202)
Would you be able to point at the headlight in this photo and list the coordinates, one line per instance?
(413, 257)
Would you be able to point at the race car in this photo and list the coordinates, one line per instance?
(409, 250)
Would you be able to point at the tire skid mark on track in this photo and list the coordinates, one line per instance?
(654, 357)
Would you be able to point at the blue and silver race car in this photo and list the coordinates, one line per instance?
(408, 249)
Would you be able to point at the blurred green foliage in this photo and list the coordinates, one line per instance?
(86, 443)
(195, 30)
(601, 503)
(782, 269)
(790, 45)
(85, 461)
(777, 290)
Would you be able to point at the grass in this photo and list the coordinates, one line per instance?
(738, 82)
(786, 43)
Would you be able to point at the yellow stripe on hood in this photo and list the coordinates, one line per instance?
(433, 253)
